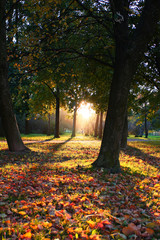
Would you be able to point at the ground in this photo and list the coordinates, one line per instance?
(52, 192)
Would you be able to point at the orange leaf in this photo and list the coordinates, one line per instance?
(78, 230)
(100, 225)
(150, 231)
(70, 230)
(94, 237)
(106, 222)
(27, 235)
(47, 224)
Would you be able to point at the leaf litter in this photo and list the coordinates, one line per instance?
(53, 192)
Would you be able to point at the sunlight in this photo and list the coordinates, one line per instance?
(86, 110)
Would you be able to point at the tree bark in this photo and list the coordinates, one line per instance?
(74, 121)
(124, 133)
(6, 110)
(49, 125)
(128, 54)
(56, 133)
(101, 125)
(145, 123)
(96, 125)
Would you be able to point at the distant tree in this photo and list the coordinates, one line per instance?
(96, 125)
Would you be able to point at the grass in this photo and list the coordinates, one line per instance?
(44, 137)
(65, 136)
(53, 192)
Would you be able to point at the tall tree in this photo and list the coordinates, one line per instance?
(96, 125)
(74, 120)
(101, 125)
(6, 110)
(130, 48)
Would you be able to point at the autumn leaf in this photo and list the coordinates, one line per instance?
(150, 231)
(78, 230)
(91, 223)
(22, 213)
(27, 235)
(47, 224)
(130, 229)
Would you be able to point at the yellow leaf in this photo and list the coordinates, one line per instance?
(47, 224)
(27, 235)
(78, 230)
(91, 223)
(22, 213)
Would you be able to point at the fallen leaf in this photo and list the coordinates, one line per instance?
(130, 229)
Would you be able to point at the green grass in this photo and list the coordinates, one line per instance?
(150, 137)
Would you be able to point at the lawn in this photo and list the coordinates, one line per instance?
(52, 192)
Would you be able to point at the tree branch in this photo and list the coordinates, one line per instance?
(54, 94)
(145, 29)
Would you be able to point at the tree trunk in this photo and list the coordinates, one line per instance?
(6, 110)
(145, 123)
(124, 133)
(128, 54)
(96, 125)
(110, 147)
(101, 125)
(74, 121)
(49, 125)
(56, 133)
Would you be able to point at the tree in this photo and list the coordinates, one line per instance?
(130, 47)
(101, 125)
(96, 125)
(74, 120)
(6, 110)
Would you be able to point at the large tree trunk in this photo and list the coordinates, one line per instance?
(74, 121)
(6, 110)
(96, 125)
(128, 55)
(124, 133)
(110, 147)
(101, 125)
(56, 133)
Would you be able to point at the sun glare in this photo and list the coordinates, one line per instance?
(85, 110)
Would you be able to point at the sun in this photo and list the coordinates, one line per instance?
(86, 110)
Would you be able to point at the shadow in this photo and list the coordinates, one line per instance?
(27, 156)
(133, 151)
(34, 141)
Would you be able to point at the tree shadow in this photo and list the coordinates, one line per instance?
(23, 157)
(136, 152)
